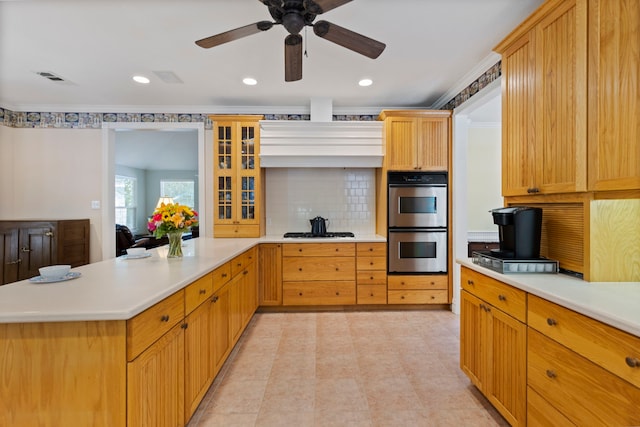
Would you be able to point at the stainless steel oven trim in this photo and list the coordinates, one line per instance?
(398, 219)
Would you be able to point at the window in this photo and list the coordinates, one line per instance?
(126, 189)
(181, 191)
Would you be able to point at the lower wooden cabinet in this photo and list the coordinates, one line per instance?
(270, 274)
(371, 273)
(198, 370)
(155, 383)
(493, 349)
(418, 289)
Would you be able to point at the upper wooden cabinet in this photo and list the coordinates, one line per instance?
(417, 140)
(237, 176)
(544, 66)
(569, 127)
(614, 94)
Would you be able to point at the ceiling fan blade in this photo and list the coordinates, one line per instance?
(231, 35)
(293, 58)
(349, 39)
(326, 5)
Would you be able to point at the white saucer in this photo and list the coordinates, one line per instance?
(69, 276)
(147, 255)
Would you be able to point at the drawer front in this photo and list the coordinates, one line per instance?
(319, 249)
(372, 249)
(328, 268)
(241, 262)
(584, 392)
(611, 348)
(372, 294)
(221, 276)
(197, 292)
(372, 278)
(411, 296)
(230, 230)
(511, 300)
(418, 282)
(542, 413)
(372, 263)
(319, 293)
(145, 328)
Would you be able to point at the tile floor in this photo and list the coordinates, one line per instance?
(381, 368)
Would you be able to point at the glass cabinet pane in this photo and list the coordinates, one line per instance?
(247, 147)
(248, 197)
(225, 197)
(224, 147)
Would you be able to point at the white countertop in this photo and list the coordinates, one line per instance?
(120, 288)
(614, 303)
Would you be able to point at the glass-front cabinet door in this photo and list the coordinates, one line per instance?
(236, 176)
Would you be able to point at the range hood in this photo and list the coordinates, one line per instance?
(320, 143)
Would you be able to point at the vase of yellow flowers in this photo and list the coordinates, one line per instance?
(172, 219)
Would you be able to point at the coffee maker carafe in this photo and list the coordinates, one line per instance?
(519, 231)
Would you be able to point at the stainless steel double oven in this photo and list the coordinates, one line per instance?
(417, 227)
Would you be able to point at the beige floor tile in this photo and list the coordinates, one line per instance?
(360, 368)
(340, 394)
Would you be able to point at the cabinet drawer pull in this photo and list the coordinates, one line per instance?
(337, 269)
(164, 318)
(371, 278)
(337, 293)
(470, 282)
(224, 275)
(551, 374)
(632, 362)
(371, 294)
(371, 263)
(215, 299)
(203, 291)
(433, 283)
(18, 261)
(502, 297)
(533, 190)
(370, 249)
(49, 234)
(300, 293)
(25, 249)
(551, 322)
(300, 269)
(300, 250)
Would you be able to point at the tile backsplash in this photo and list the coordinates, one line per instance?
(344, 196)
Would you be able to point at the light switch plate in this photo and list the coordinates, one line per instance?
(95, 204)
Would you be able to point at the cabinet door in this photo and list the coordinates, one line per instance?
(614, 95)
(518, 116)
(561, 116)
(223, 170)
(235, 308)
(507, 385)
(270, 274)
(198, 373)
(220, 340)
(155, 383)
(473, 360)
(248, 173)
(9, 255)
(36, 248)
(401, 140)
(432, 151)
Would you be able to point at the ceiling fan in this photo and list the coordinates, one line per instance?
(294, 15)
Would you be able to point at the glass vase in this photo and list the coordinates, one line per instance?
(175, 244)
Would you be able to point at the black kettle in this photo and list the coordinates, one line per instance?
(318, 226)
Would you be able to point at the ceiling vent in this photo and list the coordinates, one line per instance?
(168, 77)
(51, 76)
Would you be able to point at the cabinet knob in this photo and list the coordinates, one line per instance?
(245, 272)
(371, 294)
(215, 298)
(300, 293)
(433, 283)
(371, 263)
(300, 269)
(502, 297)
(300, 250)
(632, 362)
(164, 318)
(470, 282)
(224, 275)
(371, 277)
(337, 269)
(551, 374)
(338, 293)
(402, 297)
(49, 234)
(370, 249)
(551, 322)
(184, 325)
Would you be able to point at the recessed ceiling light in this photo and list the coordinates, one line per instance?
(141, 79)
(365, 82)
(249, 81)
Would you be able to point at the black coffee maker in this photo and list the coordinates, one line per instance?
(519, 230)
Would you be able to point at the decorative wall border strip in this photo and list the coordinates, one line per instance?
(63, 120)
(478, 84)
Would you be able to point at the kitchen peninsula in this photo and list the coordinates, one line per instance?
(105, 348)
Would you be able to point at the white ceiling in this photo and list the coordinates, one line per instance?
(98, 45)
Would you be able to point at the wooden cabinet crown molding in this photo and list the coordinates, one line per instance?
(414, 113)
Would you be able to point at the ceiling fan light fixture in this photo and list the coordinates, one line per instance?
(249, 81)
(141, 79)
(365, 82)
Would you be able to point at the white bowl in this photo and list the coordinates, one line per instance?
(136, 251)
(54, 271)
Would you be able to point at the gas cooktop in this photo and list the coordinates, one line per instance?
(325, 235)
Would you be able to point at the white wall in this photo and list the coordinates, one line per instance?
(484, 177)
(52, 174)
